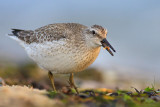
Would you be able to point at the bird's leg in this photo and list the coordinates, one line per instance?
(50, 75)
(71, 82)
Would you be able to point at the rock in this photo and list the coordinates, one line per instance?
(156, 98)
(23, 96)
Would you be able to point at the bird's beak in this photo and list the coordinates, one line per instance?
(107, 46)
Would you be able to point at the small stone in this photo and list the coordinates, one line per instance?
(156, 98)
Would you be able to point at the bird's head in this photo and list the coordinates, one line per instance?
(96, 37)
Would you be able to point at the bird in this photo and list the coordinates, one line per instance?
(63, 48)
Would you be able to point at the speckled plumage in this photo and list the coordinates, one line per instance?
(61, 47)
(51, 32)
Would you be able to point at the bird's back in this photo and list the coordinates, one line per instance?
(49, 32)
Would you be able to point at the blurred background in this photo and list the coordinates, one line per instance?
(133, 30)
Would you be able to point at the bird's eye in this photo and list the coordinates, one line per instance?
(93, 32)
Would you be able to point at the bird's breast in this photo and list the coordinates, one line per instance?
(86, 58)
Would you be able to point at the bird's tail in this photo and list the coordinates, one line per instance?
(15, 32)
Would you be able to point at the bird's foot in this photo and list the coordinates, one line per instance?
(72, 84)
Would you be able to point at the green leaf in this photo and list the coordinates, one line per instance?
(148, 89)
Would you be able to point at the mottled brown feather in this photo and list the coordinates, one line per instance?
(51, 32)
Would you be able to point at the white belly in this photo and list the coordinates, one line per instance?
(59, 63)
(51, 56)
(58, 58)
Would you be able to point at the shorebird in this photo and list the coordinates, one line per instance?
(63, 47)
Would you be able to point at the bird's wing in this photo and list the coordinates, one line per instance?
(39, 36)
(52, 32)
